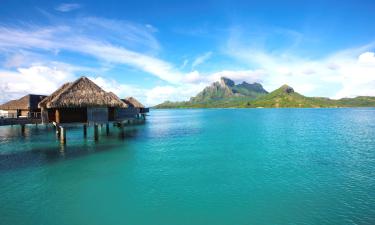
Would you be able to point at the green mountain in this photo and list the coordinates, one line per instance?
(226, 88)
(226, 94)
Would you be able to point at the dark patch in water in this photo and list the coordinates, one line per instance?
(56, 153)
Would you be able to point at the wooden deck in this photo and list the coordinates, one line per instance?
(19, 121)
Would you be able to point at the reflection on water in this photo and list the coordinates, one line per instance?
(39, 145)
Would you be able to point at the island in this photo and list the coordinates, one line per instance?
(226, 94)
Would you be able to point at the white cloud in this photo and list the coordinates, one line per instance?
(157, 67)
(32, 80)
(121, 90)
(346, 73)
(160, 94)
(238, 76)
(150, 97)
(67, 7)
(367, 58)
(65, 38)
(201, 59)
(29, 78)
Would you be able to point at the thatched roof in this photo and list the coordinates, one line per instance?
(43, 103)
(82, 93)
(27, 102)
(133, 102)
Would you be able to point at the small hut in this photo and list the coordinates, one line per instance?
(81, 101)
(27, 107)
(134, 103)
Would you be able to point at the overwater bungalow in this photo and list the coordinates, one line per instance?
(25, 107)
(82, 101)
(134, 103)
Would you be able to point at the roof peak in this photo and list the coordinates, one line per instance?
(83, 92)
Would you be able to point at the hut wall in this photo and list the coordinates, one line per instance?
(24, 113)
(144, 110)
(71, 115)
(97, 115)
(3, 113)
(9, 113)
(124, 113)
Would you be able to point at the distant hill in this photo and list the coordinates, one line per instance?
(226, 88)
(226, 94)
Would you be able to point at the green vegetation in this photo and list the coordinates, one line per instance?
(225, 91)
(227, 95)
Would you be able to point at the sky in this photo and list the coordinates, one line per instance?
(170, 50)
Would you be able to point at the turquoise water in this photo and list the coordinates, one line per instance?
(213, 166)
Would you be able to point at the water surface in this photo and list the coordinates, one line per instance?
(202, 166)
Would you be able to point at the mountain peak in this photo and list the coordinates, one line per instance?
(287, 89)
(225, 88)
(226, 82)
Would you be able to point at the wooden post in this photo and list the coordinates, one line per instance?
(107, 129)
(96, 132)
(85, 131)
(23, 129)
(57, 131)
(62, 135)
(122, 130)
(58, 116)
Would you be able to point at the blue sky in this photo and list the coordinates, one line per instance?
(170, 50)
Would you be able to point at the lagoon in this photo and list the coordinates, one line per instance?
(196, 166)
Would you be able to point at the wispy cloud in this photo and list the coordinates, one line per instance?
(85, 40)
(29, 61)
(67, 7)
(65, 38)
(345, 73)
(201, 59)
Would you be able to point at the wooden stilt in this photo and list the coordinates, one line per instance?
(122, 130)
(58, 133)
(96, 132)
(62, 135)
(85, 131)
(23, 129)
(107, 128)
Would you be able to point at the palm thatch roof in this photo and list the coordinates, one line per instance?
(27, 102)
(133, 102)
(82, 93)
(43, 103)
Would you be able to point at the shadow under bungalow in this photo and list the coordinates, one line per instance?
(79, 102)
